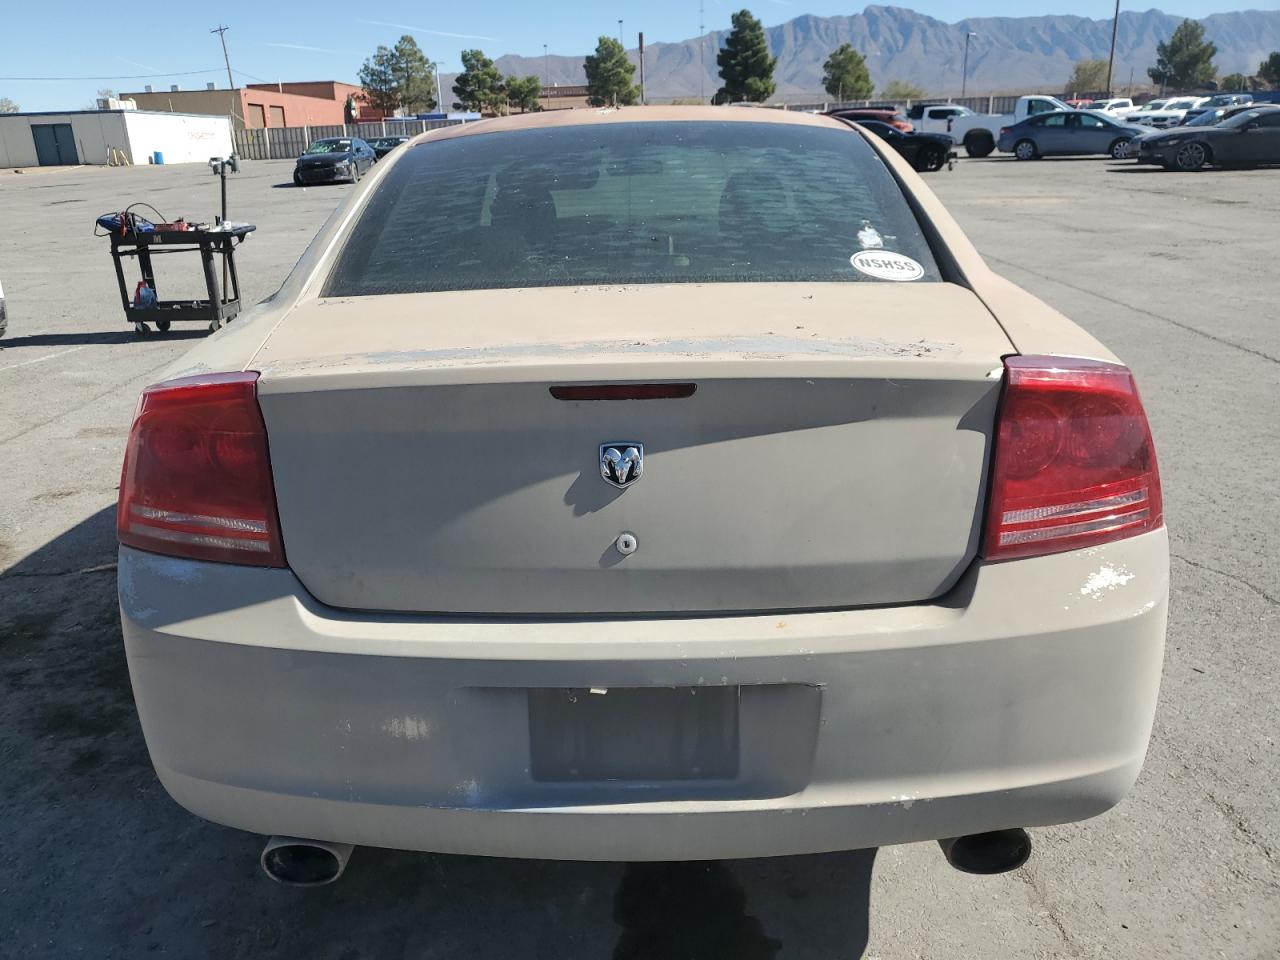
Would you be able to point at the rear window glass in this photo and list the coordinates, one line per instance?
(647, 202)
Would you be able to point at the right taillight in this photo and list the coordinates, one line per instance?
(1074, 462)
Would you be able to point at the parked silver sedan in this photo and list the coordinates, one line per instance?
(1069, 133)
(644, 484)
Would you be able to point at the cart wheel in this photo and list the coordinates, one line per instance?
(141, 329)
(163, 325)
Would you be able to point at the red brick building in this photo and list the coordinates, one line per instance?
(257, 105)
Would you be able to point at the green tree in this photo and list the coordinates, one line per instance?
(8, 106)
(1087, 76)
(745, 65)
(1186, 61)
(609, 74)
(479, 85)
(415, 76)
(845, 75)
(1234, 83)
(1269, 70)
(523, 92)
(901, 90)
(378, 78)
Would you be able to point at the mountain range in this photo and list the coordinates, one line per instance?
(1009, 54)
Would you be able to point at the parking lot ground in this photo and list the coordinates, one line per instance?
(1175, 272)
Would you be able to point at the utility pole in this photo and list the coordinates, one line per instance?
(964, 70)
(546, 68)
(1111, 60)
(702, 55)
(222, 35)
(624, 46)
(642, 100)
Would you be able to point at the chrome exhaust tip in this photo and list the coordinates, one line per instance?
(998, 851)
(304, 863)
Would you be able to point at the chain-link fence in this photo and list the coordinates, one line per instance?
(286, 143)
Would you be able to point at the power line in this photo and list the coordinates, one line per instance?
(251, 76)
(134, 76)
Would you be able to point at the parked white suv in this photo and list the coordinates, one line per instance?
(1115, 107)
(1171, 114)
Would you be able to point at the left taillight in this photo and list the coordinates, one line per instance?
(197, 477)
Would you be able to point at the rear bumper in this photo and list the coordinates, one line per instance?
(1023, 698)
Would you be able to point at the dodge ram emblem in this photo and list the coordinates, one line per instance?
(621, 463)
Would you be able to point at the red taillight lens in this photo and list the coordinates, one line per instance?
(1003, 131)
(1074, 462)
(197, 479)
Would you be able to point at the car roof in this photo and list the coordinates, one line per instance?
(603, 116)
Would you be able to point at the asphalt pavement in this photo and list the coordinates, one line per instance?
(1175, 272)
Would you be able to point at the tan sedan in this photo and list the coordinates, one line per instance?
(653, 483)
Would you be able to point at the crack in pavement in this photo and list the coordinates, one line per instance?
(1230, 576)
(32, 575)
(1024, 874)
(1128, 306)
(1237, 821)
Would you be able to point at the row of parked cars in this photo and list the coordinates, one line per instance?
(1240, 134)
(1183, 133)
(1167, 111)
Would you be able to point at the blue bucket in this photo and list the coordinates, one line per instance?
(157, 157)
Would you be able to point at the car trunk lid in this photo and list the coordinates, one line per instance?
(832, 453)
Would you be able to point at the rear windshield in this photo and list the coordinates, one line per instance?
(647, 202)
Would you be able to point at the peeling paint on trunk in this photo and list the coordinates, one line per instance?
(1105, 579)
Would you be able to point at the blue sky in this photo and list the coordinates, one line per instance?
(323, 39)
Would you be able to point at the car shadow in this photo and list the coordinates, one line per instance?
(98, 337)
(113, 868)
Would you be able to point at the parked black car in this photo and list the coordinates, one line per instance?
(334, 158)
(1250, 138)
(890, 115)
(384, 145)
(925, 152)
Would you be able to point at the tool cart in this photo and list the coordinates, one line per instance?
(144, 309)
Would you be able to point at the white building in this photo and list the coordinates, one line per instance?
(91, 136)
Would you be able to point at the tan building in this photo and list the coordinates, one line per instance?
(563, 97)
(258, 105)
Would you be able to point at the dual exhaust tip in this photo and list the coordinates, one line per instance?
(315, 863)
